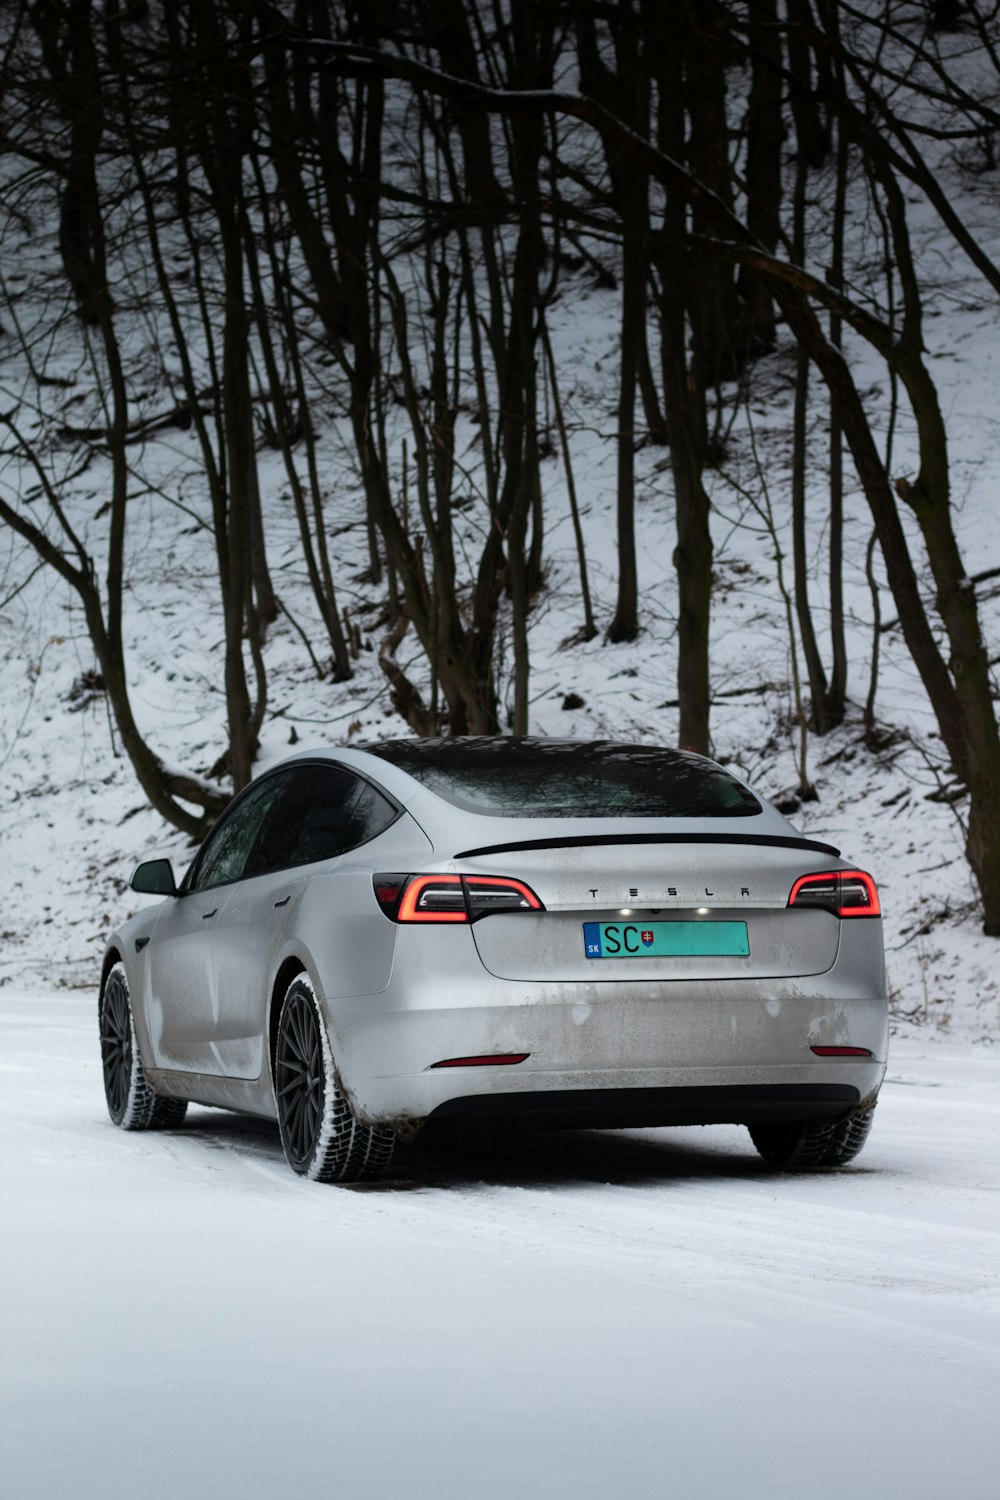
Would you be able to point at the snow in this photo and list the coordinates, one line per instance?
(638, 1313)
(71, 807)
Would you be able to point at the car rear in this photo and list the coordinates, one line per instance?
(622, 971)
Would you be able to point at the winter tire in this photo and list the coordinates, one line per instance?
(803, 1147)
(131, 1102)
(322, 1138)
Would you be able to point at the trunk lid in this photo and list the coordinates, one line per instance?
(637, 884)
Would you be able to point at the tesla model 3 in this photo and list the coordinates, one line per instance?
(501, 932)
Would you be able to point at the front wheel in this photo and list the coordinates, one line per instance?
(801, 1147)
(322, 1138)
(131, 1102)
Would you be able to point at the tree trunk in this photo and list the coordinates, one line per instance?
(765, 137)
(625, 624)
(810, 649)
(836, 698)
(686, 425)
(589, 627)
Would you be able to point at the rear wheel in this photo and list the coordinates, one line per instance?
(131, 1102)
(802, 1147)
(322, 1138)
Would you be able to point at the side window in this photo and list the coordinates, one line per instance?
(309, 822)
(325, 811)
(224, 855)
(372, 815)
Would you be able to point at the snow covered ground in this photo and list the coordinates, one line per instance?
(571, 1315)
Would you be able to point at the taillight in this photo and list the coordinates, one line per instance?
(486, 893)
(451, 898)
(433, 898)
(846, 893)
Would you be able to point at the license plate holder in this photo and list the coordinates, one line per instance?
(679, 939)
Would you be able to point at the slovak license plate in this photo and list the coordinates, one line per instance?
(665, 939)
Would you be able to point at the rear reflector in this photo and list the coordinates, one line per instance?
(451, 898)
(492, 1060)
(841, 1051)
(388, 891)
(846, 893)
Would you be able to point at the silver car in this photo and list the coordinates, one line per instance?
(501, 932)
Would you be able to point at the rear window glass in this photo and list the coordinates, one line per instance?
(543, 778)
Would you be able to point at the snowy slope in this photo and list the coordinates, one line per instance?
(72, 822)
(71, 817)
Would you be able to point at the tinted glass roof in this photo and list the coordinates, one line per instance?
(508, 776)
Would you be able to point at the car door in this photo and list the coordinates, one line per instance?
(323, 811)
(183, 1001)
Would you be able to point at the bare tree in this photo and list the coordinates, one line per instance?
(56, 67)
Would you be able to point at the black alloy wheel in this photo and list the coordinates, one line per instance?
(116, 1046)
(131, 1102)
(299, 1079)
(321, 1137)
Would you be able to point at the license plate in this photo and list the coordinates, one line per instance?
(665, 940)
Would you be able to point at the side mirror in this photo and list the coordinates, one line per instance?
(154, 877)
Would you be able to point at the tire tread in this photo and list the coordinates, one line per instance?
(813, 1145)
(347, 1150)
(144, 1109)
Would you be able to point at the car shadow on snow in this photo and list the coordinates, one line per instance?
(535, 1158)
(568, 1158)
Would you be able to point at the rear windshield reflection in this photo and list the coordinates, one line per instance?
(548, 778)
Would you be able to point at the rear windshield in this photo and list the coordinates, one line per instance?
(548, 778)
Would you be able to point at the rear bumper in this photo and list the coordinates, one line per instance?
(638, 1052)
(616, 1108)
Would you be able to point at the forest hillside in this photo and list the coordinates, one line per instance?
(468, 366)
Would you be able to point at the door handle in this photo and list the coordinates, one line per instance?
(206, 914)
(284, 901)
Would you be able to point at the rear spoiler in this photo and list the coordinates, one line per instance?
(603, 840)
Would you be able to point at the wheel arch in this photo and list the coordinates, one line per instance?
(111, 957)
(289, 969)
(115, 954)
